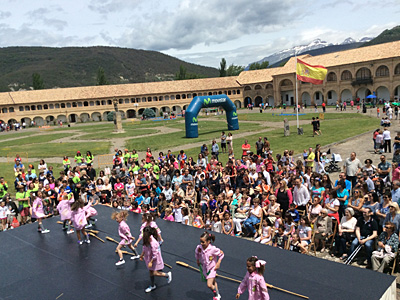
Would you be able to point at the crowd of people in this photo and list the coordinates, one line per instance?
(278, 200)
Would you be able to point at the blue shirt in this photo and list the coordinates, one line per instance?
(348, 184)
(139, 200)
(396, 196)
(342, 194)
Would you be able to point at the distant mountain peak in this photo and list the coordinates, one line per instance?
(349, 40)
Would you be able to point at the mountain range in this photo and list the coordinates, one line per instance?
(277, 58)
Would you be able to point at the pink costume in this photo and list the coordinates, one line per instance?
(78, 217)
(91, 212)
(152, 225)
(37, 209)
(169, 218)
(64, 208)
(255, 285)
(125, 233)
(208, 258)
(153, 251)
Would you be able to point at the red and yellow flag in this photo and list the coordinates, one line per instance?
(309, 73)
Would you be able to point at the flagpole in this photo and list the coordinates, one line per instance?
(297, 97)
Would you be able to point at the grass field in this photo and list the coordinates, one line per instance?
(109, 134)
(208, 130)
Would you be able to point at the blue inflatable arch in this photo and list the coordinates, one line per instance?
(192, 129)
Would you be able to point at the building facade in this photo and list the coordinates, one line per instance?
(352, 74)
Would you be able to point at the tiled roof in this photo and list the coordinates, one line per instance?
(120, 91)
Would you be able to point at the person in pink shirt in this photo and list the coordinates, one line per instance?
(254, 280)
(78, 217)
(168, 215)
(38, 211)
(209, 260)
(125, 235)
(152, 257)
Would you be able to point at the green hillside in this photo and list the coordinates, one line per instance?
(77, 66)
(388, 35)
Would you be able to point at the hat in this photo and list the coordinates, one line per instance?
(136, 172)
(126, 150)
(324, 154)
(350, 210)
(78, 151)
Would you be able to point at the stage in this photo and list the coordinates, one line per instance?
(54, 266)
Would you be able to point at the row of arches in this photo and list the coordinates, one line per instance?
(330, 98)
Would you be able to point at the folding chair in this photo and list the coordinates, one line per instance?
(332, 236)
(312, 244)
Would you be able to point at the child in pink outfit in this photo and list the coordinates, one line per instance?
(152, 257)
(78, 217)
(148, 220)
(125, 234)
(64, 209)
(254, 280)
(38, 211)
(209, 258)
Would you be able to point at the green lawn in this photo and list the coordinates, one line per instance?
(14, 134)
(308, 116)
(109, 134)
(58, 149)
(36, 139)
(208, 130)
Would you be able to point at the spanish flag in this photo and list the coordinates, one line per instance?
(309, 73)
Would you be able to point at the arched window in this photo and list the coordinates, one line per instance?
(85, 103)
(74, 104)
(69, 105)
(45, 106)
(363, 73)
(161, 98)
(144, 99)
(4, 110)
(80, 104)
(382, 71)
(166, 98)
(121, 101)
(126, 101)
(397, 70)
(148, 99)
(62, 105)
(331, 77)
(247, 88)
(11, 109)
(51, 106)
(286, 82)
(21, 108)
(109, 102)
(178, 97)
(91, 103)
(183, 96)
(155, 98)
(57, 105)
(269, 86)
(33, 107)
(39, 107)
(209, 93)
(27, 108)
(346, 75)
(258, 87)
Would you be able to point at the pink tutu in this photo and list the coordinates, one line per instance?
(64, 209)
(79, 219)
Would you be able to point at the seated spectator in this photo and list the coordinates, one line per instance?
(346, 233)
(253, 219)
(304, 233)
(366, 232)
(393, 216)
(323, 228)
(388, 244)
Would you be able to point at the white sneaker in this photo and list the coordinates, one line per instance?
(80, 242)
(150, 288)
(218, 297)
(169, 278)
(45, 231)
(135, 257)
(88, 225)
(87, 241)
(120, 262)
(70, 231)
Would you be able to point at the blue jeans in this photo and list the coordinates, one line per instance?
(204, 209)
(249, 223)
(369, 247)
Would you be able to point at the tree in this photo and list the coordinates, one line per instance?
(181, 75)
(222, 68)
(101, 77)
(234, 70)
(110, 116)
(37, 82)
(149, 113)
(258, 66)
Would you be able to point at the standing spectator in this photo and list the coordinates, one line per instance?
(246, 148)
(223, 142)
(310, 158)
(384, 169)
(215, 149)
(352, 166)
(229, 141)
(259, 146)
(323, 107)
(366, 232)
(387, 140)
(301, 195)
(351, 104)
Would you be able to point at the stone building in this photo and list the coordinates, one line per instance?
(352, 74)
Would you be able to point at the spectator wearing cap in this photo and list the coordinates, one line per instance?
(393, 216)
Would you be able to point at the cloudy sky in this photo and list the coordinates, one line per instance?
(198, 31)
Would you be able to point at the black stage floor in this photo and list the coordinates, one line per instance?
(54, 266)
